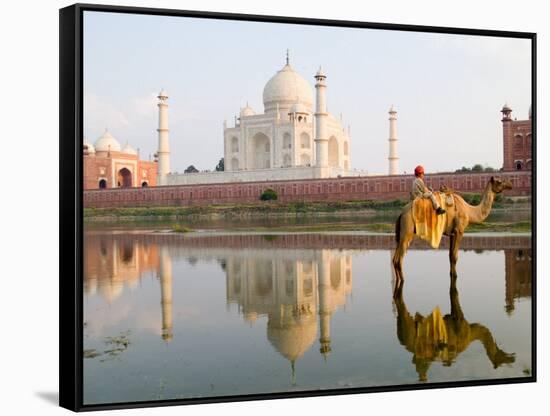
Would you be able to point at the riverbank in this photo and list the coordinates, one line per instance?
(268, 209)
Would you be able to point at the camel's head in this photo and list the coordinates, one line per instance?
(498, 185)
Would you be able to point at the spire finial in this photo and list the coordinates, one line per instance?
(287, 57)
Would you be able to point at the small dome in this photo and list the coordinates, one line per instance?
(247, 111)
(285, 88)
(162, 94)
(107, 142)
(298, 108)
(506, 107)
(129, 150)
(88, 148)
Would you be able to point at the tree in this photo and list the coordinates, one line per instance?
(220, 167)
(268, 195)
(476, 168)
(191, 169)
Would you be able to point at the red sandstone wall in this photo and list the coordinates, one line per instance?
(92, 167)
(151, 176)
(334, 189)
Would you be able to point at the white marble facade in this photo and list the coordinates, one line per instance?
(283, 136)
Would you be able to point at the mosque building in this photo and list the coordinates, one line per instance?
(107, 164)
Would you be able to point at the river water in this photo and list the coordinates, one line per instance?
(170, 315)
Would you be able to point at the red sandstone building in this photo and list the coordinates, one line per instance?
(517, 141)
(107, 165)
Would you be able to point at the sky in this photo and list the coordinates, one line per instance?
(448, 90)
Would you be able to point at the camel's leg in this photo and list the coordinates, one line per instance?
(456, 238)
(406, 235)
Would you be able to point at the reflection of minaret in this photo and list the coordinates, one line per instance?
(165, 275)
(325, 312)
(518, 276)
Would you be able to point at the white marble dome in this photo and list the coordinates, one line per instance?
(107, 143)
(129, 150)
(293, 337)
(285, 88)
(88, 147)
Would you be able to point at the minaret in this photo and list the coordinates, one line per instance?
(321, 139)
(165, 275)
(507, 137)
(163, 152)
(393, 158)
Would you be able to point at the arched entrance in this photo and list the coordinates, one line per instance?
(124, 178)
(261, 151)
(287, 161)
(102, 184)
(144, 184)
(234, 164)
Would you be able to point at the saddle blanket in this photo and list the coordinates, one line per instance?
(428, 225)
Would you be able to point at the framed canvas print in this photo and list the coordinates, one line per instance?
(257, 207)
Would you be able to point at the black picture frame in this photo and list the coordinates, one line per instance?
(71, 203)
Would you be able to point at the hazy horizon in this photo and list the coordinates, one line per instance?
(448, 90)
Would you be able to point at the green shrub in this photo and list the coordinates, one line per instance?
(268, 195)
(178, 228)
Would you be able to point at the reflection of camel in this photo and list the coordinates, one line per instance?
(442, 338)
(458, 216)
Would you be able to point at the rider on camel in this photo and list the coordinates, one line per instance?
(419, 189)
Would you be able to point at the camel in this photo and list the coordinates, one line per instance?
(443, 338)
(459, 215)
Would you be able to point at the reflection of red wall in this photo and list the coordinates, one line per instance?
(518, 275)
(336, 189)
(322, 241)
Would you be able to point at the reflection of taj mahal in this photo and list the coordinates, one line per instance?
(294, 292)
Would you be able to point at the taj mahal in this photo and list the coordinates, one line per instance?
(295, 137)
